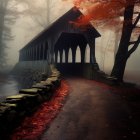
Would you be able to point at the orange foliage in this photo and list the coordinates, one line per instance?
(102, 12)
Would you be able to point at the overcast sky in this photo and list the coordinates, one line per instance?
(23, 36)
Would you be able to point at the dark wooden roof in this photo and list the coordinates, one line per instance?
(50, 27)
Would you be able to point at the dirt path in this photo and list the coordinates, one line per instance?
(93, 113)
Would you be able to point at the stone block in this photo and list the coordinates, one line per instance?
(12, 106)
(12, 101)
(30, 91)
(40, 87)
(55, 75)
(30, 96)
(21, 97)
(21, 103)
(53, 79)
(45, 83)
(17, 107)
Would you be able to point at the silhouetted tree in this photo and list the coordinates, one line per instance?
(105, 13)
(8, 17)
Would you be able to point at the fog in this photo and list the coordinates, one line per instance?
(25, 29)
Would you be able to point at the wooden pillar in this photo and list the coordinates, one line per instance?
(39, 52)
(92, 51)
(66, 55)
(33, 54)
(24, 55)
(26, 58)
(73, 53)
(30, 55)
(82, 48)
(56, 54)
(36, 53)
(43, 51)
(46, 50)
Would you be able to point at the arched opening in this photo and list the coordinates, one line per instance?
(70, 56)
(37, 52)
(63, 56)
(87, 54)
(58, 57)
(78, 55)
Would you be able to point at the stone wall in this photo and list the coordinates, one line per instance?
(28, 76)
(89, 71)
(100, 76)
(15, 108)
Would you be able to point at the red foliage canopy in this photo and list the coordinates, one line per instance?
(103, 12)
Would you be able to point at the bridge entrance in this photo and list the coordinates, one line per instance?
(69, 55)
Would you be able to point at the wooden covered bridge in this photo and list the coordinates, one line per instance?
(59, 37)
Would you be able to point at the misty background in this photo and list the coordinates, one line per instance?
(34, 19)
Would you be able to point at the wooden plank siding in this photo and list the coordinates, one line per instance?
(51, 34)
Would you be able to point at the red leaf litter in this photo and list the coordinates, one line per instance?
(33, 126)
(97, 83)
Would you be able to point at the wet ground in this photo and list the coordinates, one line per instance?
(93, 112)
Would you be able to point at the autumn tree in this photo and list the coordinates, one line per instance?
(8, 16)
(104, 13)
(41, 12)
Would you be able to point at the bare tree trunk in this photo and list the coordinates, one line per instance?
(116, 39)
(121, 56)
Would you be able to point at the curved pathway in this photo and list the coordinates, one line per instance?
(92, 112)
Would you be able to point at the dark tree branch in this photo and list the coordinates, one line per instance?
(36, 21)
(132, 42)
(136, 12)
(136, 21)
(137, 27)
(133, 48)
(53, 4)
